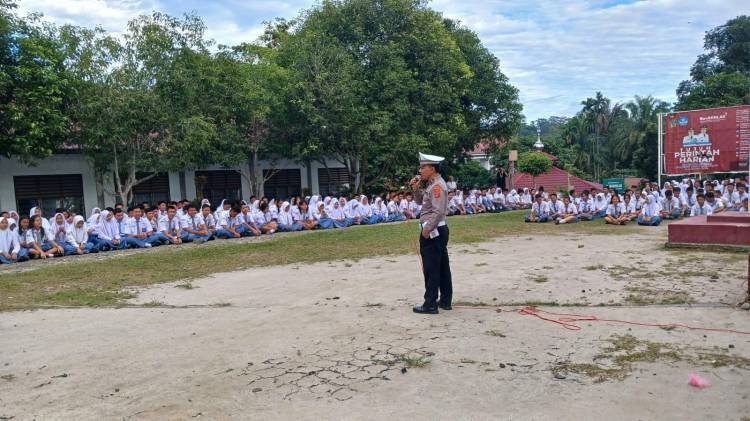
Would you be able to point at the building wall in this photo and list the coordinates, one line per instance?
(76, 164)
(55, 165)
(483, 160)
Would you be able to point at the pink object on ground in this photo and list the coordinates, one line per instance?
(697, 381)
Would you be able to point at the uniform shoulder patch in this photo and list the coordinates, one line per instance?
(436, 191)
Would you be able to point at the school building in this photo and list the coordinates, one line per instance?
(68, 180)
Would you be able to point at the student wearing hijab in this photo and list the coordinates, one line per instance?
(364, 211)
(351, 212)
(286, 219)
(616, 213)
(600, 205)
(10, 248)
(78, 237)
(650, 212)
(337, 215)
(380, 210)
(569, 213)
(107, 232)
(324, 220)
(59, 233)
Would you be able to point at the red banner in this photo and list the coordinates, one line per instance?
(707, 141)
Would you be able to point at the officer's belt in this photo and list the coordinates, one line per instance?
(442, 224)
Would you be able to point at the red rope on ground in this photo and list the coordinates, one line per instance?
(568, 321)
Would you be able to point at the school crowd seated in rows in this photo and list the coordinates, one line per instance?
(648, 205)
(142, 226)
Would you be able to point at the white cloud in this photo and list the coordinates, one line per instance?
(556, 52)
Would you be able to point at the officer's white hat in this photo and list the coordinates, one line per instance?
(430, 159)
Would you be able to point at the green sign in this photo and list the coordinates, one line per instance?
(614, 183)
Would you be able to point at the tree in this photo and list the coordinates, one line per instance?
(534, 163)
(638, 144)
(34, 87)
(721, 76)
(471, 174)
(373, 82)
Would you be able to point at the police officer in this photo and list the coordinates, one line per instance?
(430, 189)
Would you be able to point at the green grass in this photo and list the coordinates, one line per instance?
(104, 282)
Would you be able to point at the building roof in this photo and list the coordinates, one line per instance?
(553, 181)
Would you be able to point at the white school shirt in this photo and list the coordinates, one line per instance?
(9, 242)
(556, 207)
(393, 209)
(717, 205)
(731, 200)
(689, 200)
(193, 222)
(706, 209)
(585, 206)
(616, 211)
(108, 230)
(669, 205)
(142, 226)
(541, 209)
(629, 207)
(172, 227)
(209, 220)
(570, 209)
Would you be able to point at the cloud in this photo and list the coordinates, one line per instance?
(556, 52)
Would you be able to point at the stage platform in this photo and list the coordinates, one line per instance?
(726, 229)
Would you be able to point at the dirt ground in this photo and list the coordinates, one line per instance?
(338, 340)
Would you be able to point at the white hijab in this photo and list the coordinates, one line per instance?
(285, 214)
(78, 234)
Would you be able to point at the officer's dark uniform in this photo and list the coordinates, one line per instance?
(434, 250)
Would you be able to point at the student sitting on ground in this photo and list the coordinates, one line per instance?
(170, 226)
(41, 244)
(539, 210)
(570, 212)
(600, 205)
(585, 207)
(717, 206)
(556, 207)
(701, 207)
(231, 226)
(631, 212)
(670, 206)
(10, 247)
(307, 217)
(616, 212)
(78, 237)
(650, 212)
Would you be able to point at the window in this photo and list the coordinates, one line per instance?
(282, 184)
(333, 181)
(218, 185)
(152, 190)
(49, 192)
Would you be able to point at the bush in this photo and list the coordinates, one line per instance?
(471, 174)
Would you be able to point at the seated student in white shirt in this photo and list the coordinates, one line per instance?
(231, 226)
(210, 220)
(717, 206)
(689, 200)
(670, 206)
(600, 205)
(556, 207)
(731, 198)
(701, 207)
(307, 215)
(140, 232)
(742, 192)
(649, 215)
(10, 247)
(539, 210)
(78, 237)
(616, 212)
(170, 226)
(631, 212)
(570, 212)
(249, 226)
(585, 207)
(194, 229)
(744, 207)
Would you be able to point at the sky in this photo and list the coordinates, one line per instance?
(556, 52)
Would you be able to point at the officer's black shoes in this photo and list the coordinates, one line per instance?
(445, 306)
(425, 310)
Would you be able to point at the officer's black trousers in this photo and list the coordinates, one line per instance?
(437, 270)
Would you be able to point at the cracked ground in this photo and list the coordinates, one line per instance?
(338, 340)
